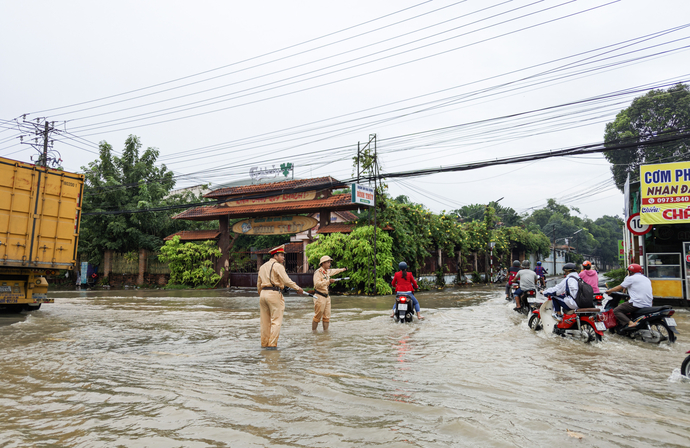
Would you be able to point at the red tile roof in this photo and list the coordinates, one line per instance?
(195, 235)
(318, 183)
(208, 213)
(336, 227)
(347, 216)
(290, 248)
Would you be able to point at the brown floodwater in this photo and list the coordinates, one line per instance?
(184, 369)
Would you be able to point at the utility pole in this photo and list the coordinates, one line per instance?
(554, 250)
(376, 175)
(44, 159)
(42, 130)
(371, 169)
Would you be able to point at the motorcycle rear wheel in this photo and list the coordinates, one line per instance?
(589, 334)
(666, 332)
(685, 367)
(534, 323)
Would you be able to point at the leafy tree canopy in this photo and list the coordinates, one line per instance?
(599, 237)
(355, 251)
(129, 182)
(505, 216)
(190, 263)
(657, 113)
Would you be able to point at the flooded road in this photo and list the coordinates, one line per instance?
(184, 369)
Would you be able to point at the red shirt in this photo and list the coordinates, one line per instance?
(404, 284)
(512, 272)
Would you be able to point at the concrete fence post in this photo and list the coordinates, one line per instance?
(142, 266)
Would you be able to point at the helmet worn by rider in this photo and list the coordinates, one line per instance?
(538, 263)
(402, 265)
(587, 264)
(525, 264)
(570, 267)
(635, 268)
(516, 263)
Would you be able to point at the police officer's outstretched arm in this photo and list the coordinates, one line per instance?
(287, 281)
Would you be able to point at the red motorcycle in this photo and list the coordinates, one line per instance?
(581, 324)
(534, 321)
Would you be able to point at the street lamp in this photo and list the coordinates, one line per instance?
(489, 259)
(575, 241)
(562, 238)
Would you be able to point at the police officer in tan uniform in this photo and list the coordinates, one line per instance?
(272, 279)
(322, 301)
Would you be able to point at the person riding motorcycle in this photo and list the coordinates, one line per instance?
(403, 281)
(563, 294)
(512, 272)
(590, 276)
(541, 272)
(528, 282)
(640, 290)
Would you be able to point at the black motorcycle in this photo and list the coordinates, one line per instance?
(528, 302)
(404, 308)
(685, 367)
(654, 323)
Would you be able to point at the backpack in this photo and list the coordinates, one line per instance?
(585, 294)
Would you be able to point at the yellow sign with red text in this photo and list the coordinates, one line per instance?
(665, 190)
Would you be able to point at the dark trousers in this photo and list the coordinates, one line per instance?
(621, 312)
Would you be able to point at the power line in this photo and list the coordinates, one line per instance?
(235, 63)
(94, 126)
(585, 149)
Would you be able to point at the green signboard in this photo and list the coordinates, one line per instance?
(621, 251)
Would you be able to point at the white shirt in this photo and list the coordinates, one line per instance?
(640, 289)
(573, 287)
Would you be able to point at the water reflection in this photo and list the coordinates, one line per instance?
(162, 369)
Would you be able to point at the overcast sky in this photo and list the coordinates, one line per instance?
(220, 87)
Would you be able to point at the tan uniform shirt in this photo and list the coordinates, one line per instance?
(278, 275)
(322, 279)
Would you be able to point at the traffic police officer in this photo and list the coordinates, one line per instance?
(322, 301)
(272, 279)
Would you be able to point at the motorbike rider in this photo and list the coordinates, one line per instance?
(640, 290)
(403, 281)
(562, 297)
(528, 282)
(512, 272)
(590, 276)
(541, 273)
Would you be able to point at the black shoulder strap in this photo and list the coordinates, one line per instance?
(271, 272)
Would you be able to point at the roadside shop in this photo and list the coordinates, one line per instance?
(657, 233)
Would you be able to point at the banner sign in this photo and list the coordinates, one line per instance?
(84, 272)
(665, 191)
(275, 225)
(621, 251)
(287, 197)
(362, 194)
(257, 173)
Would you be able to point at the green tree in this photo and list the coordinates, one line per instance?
(191, 263)
(659, 113)
(129, 182)
(354, 251)
(505, 216)
(598, 237)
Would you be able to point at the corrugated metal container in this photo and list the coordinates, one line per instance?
(40, 212)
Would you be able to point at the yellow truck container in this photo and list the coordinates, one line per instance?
(40, 213)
